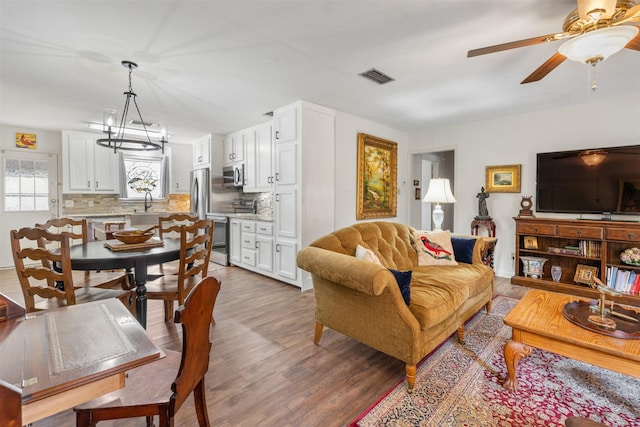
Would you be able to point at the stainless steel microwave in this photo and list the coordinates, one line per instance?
(233, 175)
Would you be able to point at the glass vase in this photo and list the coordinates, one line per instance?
(556, 273)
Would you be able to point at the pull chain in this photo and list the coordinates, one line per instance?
(594, 84)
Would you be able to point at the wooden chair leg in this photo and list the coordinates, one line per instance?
(83, 419)
(318, 333)
(200, 401)
(150, 421)
(168, 310)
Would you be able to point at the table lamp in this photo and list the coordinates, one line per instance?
(439, 192)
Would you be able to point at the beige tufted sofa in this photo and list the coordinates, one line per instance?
(362, 300)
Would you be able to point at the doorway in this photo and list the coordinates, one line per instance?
(438, 164)
(29, 194)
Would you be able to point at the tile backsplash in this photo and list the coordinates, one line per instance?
(74, 204)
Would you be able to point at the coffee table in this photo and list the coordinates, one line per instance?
(537, 321)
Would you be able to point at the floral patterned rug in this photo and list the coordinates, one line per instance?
(461, 385)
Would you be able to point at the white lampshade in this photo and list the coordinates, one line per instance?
(598, 45)
(439, 192)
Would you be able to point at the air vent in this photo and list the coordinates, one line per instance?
(377, 76)
(268, 114)
(139, 123)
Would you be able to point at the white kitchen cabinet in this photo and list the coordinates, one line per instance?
(180, 160)
(248, 242)
(202, 152)
(285, 123)
(264, 247)
(286, 253)
(286, 217)
(258, 159)
(234, 148)
(235, 241)
(88, 167)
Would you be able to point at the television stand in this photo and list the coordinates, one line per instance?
(586, 246)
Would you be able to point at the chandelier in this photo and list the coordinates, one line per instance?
(117, 135)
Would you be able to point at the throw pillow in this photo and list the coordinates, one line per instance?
(463, 249)
(367, 255)
(403, 278)
(434, 248)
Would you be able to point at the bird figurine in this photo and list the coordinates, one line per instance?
(435, 250)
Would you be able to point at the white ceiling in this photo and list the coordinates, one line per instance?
(218, 66)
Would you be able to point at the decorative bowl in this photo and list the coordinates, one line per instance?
(133, 236)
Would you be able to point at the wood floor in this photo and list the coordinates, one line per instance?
(264, 368)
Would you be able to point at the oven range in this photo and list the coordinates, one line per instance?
(220, 248)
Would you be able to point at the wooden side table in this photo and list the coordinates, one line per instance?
(490, 242)
(483, 222)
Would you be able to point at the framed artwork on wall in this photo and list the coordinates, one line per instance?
(503, 179)
(26, 140)
(377, 177)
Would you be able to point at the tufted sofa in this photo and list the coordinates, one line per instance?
(362, 299)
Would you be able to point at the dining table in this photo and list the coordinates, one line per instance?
(54, 360)
(98, 255)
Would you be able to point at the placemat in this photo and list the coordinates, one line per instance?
(118, 246)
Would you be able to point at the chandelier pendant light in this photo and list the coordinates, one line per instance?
(116, 134)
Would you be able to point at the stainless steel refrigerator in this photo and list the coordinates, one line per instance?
(200, 192)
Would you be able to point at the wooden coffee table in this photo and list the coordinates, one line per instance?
(537, 321)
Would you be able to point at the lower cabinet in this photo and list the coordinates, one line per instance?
(252, 246)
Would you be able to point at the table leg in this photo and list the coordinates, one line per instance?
(140, 272)
(513, 352)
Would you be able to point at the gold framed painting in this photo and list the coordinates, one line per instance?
(503, 179)
(585, 274)
(377, 177)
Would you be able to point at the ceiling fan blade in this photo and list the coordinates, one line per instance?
(516, 44)
(545, 68)
(634, 43)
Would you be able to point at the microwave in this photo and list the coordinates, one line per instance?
(233, 175)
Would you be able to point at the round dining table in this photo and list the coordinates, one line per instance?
(96, 256)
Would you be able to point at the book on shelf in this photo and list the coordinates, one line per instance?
(623, 280)
(566, 251)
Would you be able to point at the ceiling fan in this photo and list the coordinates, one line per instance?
(593, 31)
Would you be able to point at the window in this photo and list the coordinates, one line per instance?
(26, 185)
(143, 175)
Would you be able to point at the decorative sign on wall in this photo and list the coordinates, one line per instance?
(377, 177)
(26, 140)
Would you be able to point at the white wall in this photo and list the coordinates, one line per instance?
(346, 167)
(516, 140)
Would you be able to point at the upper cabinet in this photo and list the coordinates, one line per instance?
(202, 152)
(181, 158)
(88, 167)
(234, 148)
(258, 163)
(285, 124)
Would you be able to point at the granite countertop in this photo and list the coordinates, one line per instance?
(255, 217)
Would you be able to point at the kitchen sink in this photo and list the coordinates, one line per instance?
(145, 220)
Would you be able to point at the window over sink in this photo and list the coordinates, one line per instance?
(142, 175)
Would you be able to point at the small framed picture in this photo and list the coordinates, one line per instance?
(530, 242)
(585, 274)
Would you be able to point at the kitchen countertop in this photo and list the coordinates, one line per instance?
(255, 217)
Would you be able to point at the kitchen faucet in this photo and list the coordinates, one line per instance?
(147, 205)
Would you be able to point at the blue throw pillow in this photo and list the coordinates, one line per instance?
(463, 249)
(404, 279)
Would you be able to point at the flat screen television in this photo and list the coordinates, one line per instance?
(605, 180)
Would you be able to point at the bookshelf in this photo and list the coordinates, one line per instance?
(589, 246)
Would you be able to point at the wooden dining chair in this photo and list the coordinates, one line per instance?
(161, 387)
(78, 233)
(169, 228)
(195, 250)
(34, 265)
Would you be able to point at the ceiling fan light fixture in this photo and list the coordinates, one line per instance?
(598, 45)
(593, 158)
(596, 9)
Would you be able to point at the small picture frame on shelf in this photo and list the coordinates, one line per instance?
(530, 242)
(585, 274)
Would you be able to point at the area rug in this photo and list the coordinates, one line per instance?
(461, 385)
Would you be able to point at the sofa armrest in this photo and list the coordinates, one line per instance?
(479, 247)
(346, 270)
